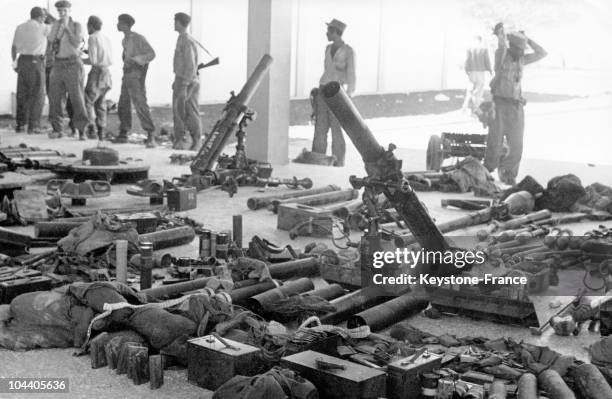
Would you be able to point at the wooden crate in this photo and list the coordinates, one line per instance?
(403, 380)
(355, 381)
(210, 363)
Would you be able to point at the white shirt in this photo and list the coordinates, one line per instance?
(31, 38)
(100, 53)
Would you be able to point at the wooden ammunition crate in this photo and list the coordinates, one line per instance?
(404, 380)
(355, 381)
(11, 289)
(290, 215)
(210, 363)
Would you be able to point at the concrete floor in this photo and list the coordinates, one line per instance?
(215, 210)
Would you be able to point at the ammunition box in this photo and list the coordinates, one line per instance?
(210, 363)
(403, 379)
(11, 289)
(182, 199)
(354, 381)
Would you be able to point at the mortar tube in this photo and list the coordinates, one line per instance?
(172, 290)
(349, 304)
(237, 230)
(241, 294)
(121, 251)
(160, 260)
(55, 229)
(388, 313)
(318, 199)
(294, 268)
(527, 387)
(259, 302)
(169, 238)
(263, 201)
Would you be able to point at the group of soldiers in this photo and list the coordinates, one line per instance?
(49, 53)
(49, 56)
(507, 114)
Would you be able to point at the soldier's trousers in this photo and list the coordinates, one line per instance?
(134, 92)
(67, 77)
(30, 90)
(98, 84)
(325, 120)
(186, 110)
(509, 123)
(69, 110)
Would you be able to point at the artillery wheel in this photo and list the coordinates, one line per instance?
(433, 160)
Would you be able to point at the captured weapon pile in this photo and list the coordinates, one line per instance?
(210, 167)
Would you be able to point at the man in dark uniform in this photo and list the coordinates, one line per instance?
(137, 54)
(186, 87)
(67, 72)
(99, 78)
(510, 58)
(28, 51)
(339, 66)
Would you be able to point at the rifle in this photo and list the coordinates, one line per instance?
(214, 62)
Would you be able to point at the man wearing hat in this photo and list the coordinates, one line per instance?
(99, 78)
(510, 58)
(186, 87)
(137, 54)
(28, 51)
(339, 67)
(67, 72)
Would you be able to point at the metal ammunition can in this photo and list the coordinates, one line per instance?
(429, 385)
(146, 265)
(205, 236)
(222, 245)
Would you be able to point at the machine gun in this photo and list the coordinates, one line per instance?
(210, 167)
(384, 175)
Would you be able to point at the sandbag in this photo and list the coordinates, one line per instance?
(561, 193)
(38, 320)
(528, 184)
(159, 326)
(100, 232)
(601, 352)
(597, 197)
(277, 383)
(95, 295)
(470, 174)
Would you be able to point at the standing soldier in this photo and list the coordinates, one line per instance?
(186, 87)
(477, 63)
(99, 78)
(510, 58)
(30, 44)
(67, 72)
(137, 54)
(339, 66)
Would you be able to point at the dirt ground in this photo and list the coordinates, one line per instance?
(215, 211)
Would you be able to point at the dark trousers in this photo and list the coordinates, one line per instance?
(325, 120)
(185, 109)
(133, 92)
(30, 90)
(509, 123)
(98, 84)
(66, 100)
(66, 77)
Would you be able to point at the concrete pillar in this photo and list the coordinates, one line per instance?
(269, 32)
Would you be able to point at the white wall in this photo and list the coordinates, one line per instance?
(400, 45)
